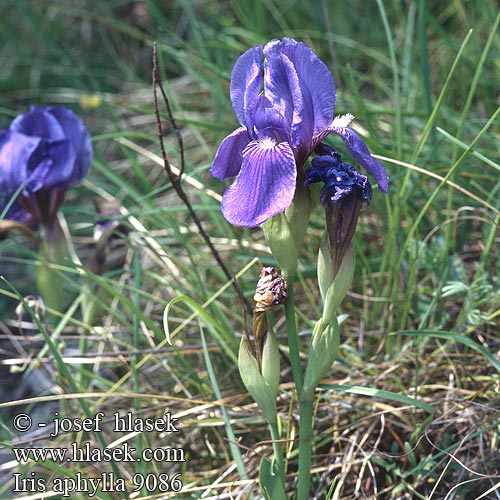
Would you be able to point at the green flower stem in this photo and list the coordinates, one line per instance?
(278, 451)
(305, 400)
(293, 339)
(305, 445)
(53, 252)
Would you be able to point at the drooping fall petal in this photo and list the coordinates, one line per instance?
(227, 161)
(265, 185)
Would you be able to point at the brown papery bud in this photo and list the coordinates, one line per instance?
(271, 290)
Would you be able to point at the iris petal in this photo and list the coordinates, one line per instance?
(316, 84)
(302, 125)
(278, 82)
(316, 81)
(42, 153)
(264, 187)
(15, 152)
(361, 154)
(38, 122)
(227, 161)
(269, 122)
(246, 82)
(79, 137)
(61, 170)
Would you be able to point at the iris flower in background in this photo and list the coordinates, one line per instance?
(284, 98)
(42, 154)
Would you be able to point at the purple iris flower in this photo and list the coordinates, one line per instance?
(42, 153)
(284, 98)
(344, 194)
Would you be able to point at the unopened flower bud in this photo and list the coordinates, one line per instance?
(322, 353)
(334, 286)
(261, 384)
(345, 193)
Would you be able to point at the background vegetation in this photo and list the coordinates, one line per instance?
(423, 312)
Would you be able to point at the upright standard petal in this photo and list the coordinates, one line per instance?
(38, 122)
(280, 84)
(264, 187)
(246, 83)
(317, 86)
(301, 126)
(269, 122)
(79, 137)
(227, 161)
(361, 154)
(316, 81)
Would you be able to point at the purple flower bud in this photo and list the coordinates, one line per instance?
(345, 193)
(42, 154)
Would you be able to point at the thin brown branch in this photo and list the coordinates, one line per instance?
(175, 179)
